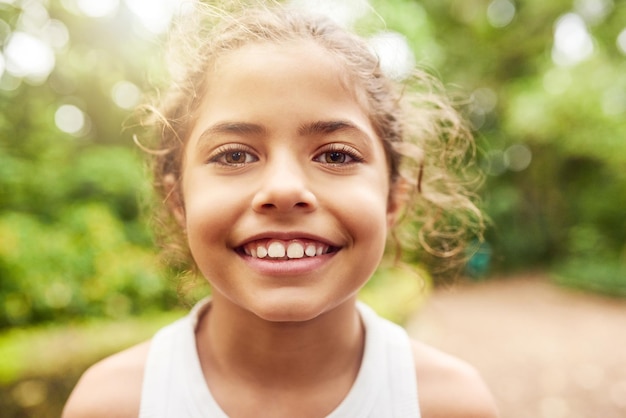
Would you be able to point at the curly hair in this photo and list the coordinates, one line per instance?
(428, 146)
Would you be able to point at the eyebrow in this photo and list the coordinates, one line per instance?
(326, 127)
(306, 129)
(234, 128)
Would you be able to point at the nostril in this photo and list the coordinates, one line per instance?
(284, 199)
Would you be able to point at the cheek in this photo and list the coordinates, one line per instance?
(208, 210)
(366, 210)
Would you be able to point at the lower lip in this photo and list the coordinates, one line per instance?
(291, 267)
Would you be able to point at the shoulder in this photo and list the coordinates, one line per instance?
(111, 387)
(449, 387)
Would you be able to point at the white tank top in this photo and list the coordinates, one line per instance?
(385, 387)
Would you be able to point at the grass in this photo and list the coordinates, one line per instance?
(45, 350)
(39, 366)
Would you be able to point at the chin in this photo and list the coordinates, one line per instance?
(288, 311)
(288, 314)
(295, 310)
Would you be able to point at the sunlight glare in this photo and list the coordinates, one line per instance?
(393, 50)
(572, 42)
(344, 13)
(28, 57)
(156, 16)
(98, 8)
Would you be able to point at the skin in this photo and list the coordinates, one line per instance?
(299, 162)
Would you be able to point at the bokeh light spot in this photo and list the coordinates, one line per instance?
(593, 11)
(495, 163)
(29, 57)
(34, 16)
(485, 98)
(500, 13)
(29, 393)
(125, 94)
(70, 119)
(517, 157)
(393, 50)
(56, 34)
(572, 41)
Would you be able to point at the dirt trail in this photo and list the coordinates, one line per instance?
(545, 351)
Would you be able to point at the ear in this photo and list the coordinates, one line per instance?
(174, 199)
(398, 197)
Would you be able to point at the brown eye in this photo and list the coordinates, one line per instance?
(339, 154)
(236, 157)
(335, 157)
(233, 157)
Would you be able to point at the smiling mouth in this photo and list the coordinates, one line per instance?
(274, 249)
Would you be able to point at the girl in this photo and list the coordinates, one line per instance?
(282, 144)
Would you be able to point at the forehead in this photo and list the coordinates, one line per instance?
(278, 84)
(287, 68)
(268, 54)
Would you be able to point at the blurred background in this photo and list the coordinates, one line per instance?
(544, 88)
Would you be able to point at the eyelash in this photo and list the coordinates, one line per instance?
(223, 152)
(343, 150)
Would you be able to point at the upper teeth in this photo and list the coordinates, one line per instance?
(281, 249)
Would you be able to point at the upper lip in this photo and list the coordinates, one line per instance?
(286, 236)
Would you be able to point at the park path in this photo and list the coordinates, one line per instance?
(545, 351)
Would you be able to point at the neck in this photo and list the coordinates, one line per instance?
(233, 342)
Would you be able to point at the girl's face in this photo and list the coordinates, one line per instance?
(285, 184)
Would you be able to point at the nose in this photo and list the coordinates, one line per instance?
(284, 187)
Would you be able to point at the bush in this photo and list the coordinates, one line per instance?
(601, 276)
(82, 265)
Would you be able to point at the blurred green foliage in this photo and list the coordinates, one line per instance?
(546, 89)
(74, 239)
(552, 135)
(543, 84)
(550, 86)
